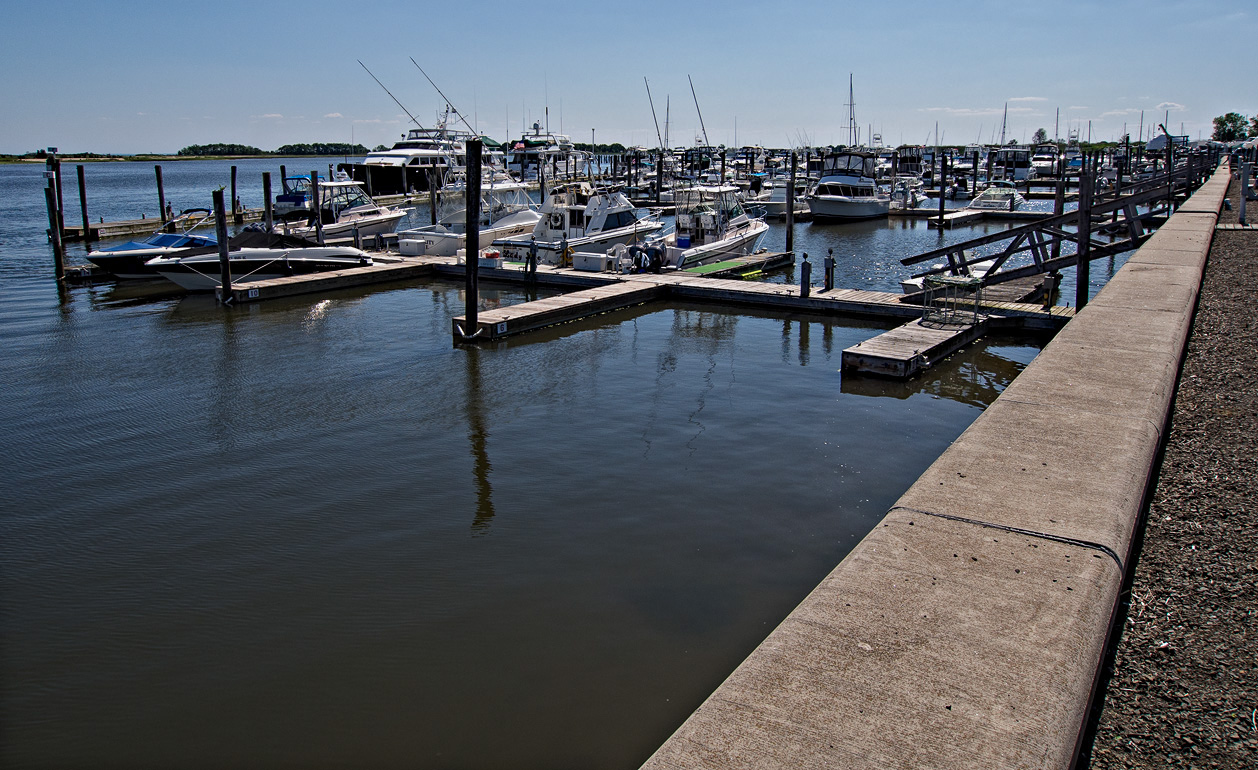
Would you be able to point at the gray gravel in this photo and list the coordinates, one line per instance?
(1184, 685)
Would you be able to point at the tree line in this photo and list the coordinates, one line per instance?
(316, 148)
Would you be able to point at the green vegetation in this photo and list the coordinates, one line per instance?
(1234, 126)
(322, 148)
(202, 150)
(1041, 136)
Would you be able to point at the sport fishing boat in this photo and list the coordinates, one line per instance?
(1000, 195)
(255, 255)
(712, 226)
(848, 188)
(577, 217)
(506, 211)
(130, 260)
(344, 207)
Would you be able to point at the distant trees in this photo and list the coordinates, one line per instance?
(1231, 127)
(1040, 136)
(322, 148)
(197, 150)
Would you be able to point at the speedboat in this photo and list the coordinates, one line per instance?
(130, 260)
(848, 188)
(345, 207)
(577, 217)
(257, 256)
(506, 211)
(1000, 195)
(712, 226)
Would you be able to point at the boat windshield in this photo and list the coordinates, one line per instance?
(721, 201)
(850, 164)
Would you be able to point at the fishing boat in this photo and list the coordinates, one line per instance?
(506, 211)
(257, 256)
(1000, 195)
(345, 207)
(711, 226)
(553, 154)
(1011, 163)
(576, 216)
(130, 260)
(848, 188)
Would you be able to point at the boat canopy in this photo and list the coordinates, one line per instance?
(850, 164)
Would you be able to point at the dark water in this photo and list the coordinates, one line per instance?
(312, 533)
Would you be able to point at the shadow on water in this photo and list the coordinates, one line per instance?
(478, 436)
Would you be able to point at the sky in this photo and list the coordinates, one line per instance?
(130, 77)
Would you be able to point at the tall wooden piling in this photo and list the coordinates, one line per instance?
(471, 247)
(58, 252)
(87, 230)
(236, 218)
(943, 172)
(61, 204)
(432, 195)
(1083, 268)
(267, 209)
(224, 262)
(659, 175)
(790, 209)
(315, 206)
(161, 195)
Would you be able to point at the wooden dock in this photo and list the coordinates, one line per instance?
(749, 263)
(956, 217)
(492, 325)
(905, 350)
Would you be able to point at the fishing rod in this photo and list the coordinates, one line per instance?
(696, 98)
(390, 93)
(443, 96)
(657, 120)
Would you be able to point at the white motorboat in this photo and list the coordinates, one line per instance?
(130, 260)
(506, 211)
(999, 196)
(344, 207)
(554, 154)
(848, 188)
(577, 217)
(712, 226)
(1012, 163)
(257, 256)
(1044, 161)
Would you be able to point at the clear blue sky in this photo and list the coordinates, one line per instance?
(127, 76)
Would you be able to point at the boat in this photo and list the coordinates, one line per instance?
(772, 199)
(1012, 163)
(554, 154)
(1000, 195)
(506, 211)
(255, 255)
(908, 192)
(848, 188)
(345, 207)
(1044, 160)
(576, 216)
(711, 226)
(130, 260)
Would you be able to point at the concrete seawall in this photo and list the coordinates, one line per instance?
(966, 630)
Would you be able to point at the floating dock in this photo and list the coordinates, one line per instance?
(908, 349)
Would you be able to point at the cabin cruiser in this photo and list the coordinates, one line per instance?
(130, 260)
(578, 217)
(848, 188)
(1011, 163)
(1044, 161)
(344, 207)
(711, 226)
(506, 211)
(255, 255)
(1000, 195)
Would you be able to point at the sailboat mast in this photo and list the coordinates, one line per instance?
(706, 143)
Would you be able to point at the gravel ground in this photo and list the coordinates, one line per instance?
(1184, 686)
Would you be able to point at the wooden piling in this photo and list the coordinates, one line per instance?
(268, 210)
(790, 209)
(316, 207)
(161, 195)
(1082, 268)
(659, 175)
(58, 253)
(471, 247)
(432, 194)
(235, 201)
(224, 262)
(943, 173)
(61, 205)
(87, 230)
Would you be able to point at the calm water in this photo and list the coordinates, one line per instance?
(313, 533)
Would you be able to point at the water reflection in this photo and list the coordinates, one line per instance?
(477, 436)
(974, 377)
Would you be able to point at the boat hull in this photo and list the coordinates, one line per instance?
(741, 243)
(202, 273)
(838, 209)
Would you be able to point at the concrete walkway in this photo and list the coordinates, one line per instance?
(966, 630)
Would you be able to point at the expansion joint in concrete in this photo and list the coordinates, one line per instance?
(1028, 532)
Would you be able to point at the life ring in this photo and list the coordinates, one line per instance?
(556, 221)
